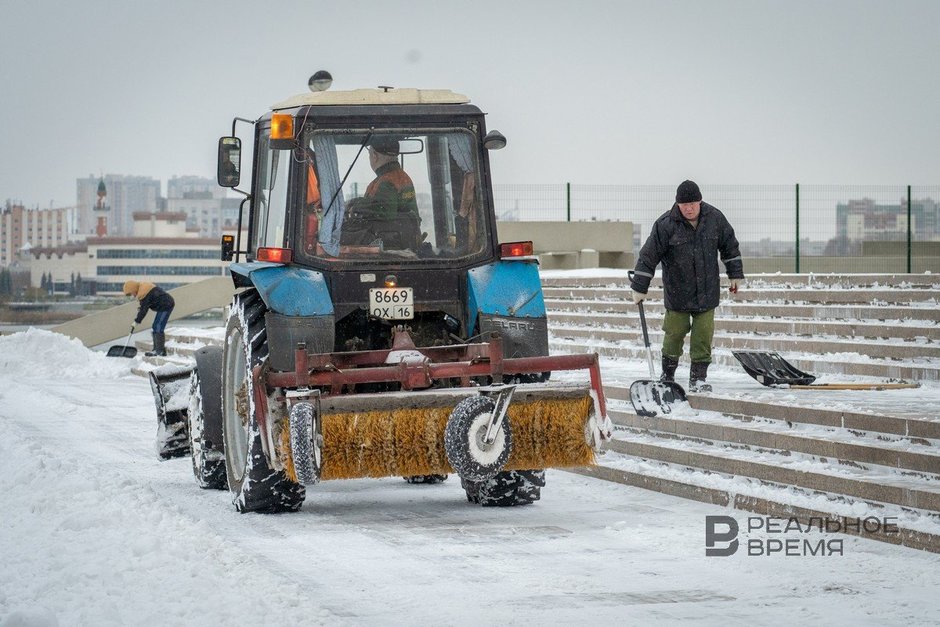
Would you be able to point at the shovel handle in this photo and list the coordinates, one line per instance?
(646, 335)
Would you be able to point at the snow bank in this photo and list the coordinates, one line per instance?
(43, 353)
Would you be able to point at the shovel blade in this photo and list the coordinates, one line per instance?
(769, 368)
(122, 351)
(651, 398)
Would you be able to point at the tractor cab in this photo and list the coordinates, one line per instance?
(369, 177)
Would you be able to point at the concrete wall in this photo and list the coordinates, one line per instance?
(114, 323)
(567, 245)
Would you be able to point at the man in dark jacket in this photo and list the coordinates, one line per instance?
(152, 297)
(687, 240)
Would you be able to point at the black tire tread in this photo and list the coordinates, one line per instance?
(263, 489)
(506, 489)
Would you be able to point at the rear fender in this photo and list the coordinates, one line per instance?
(286, 290)
(506, 296)
(300, 309)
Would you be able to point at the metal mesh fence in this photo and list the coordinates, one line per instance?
(842, 228)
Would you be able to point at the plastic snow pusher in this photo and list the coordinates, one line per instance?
(384, 333)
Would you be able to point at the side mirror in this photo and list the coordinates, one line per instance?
(494, 140)
(230, 158)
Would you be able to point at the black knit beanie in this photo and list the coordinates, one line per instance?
(688, 191)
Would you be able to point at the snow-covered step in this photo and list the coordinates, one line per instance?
(927, 427)
(841, 444)
(881, 349)
(788, 327)
(727, 308)
(816, 409)
(827, 296)
(836, 364)
(872, 483)
(916, 529)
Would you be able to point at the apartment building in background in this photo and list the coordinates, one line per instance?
(30, 228)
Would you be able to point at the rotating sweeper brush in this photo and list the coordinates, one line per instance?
(473, 432)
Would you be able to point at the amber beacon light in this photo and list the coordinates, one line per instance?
(282, 126)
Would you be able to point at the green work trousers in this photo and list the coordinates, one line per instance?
(676, 326)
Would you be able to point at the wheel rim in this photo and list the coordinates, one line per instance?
(236, 423)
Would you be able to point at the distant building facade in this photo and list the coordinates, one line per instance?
(125, 195)
(30, 228)
(164, 251)
(202, 200)
(866, 220)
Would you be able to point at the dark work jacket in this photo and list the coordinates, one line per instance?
(689, 257)
(156, 299)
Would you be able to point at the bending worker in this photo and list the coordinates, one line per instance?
(155, 298)
(687, 240)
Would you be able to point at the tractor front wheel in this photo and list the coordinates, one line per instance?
(256, 486)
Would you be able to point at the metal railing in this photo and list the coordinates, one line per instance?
(781, 228)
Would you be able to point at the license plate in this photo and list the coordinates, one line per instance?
(392, 303)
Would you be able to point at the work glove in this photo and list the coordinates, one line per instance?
(638, 297)
(733, 286)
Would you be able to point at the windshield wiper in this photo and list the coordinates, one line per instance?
(351, 165)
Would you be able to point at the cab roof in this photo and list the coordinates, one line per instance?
(380, 96)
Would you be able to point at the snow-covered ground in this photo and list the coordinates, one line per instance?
(95, 531)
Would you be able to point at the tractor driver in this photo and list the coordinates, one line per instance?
(392, 192)
(388, 211)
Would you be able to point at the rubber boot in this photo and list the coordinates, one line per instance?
(697, 375)
(669, 369)
(159, 346)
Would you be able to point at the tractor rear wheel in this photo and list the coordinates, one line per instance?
(256, 486)
(205, 419)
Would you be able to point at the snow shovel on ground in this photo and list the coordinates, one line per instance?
(652, 396)
(770, 369)
(123, 351)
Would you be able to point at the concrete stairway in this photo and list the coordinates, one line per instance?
(808, 455)
(181, 344)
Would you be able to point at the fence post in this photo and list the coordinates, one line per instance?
(797, 228)
(568, 199)
(909, 229)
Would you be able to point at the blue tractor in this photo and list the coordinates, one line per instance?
(378, 327)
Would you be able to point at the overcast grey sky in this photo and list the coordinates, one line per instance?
(619, 92)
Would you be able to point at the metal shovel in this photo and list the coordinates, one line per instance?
(651, 396)
(123, 351)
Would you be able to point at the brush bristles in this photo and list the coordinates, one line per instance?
(406, 442)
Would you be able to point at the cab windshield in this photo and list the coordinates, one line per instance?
(375, 195)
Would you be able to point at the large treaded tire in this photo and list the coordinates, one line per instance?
(255, 485)
(506, 489)
(205, 419)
